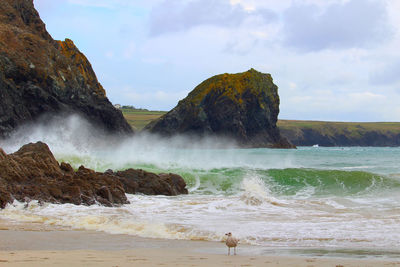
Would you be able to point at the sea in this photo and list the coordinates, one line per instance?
(310, 200)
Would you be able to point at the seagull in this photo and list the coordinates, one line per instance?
(231, 242)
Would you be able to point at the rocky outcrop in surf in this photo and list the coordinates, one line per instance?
(39, 75)
(32, 173)
(243, 107)
(143, 182)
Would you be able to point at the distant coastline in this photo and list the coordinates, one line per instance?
(307, 133)
(324, 133)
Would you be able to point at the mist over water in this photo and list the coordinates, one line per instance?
(309, 197)
(74, 140)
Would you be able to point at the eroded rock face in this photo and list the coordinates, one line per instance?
(140, 181)
(39, 75)
(32, 173)
(242, 106)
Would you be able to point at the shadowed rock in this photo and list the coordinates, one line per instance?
(32, 173)
(140, 181)
(243, 107)
(39, 75)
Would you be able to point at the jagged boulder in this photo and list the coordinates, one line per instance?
(242, 106)
(140, 181)
(39, 75)
(32, 173)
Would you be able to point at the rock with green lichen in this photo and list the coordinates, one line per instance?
(243, 107)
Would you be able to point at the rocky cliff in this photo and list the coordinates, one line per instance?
(32, 173)
(243, 107)
(39, 75)
(323, 133)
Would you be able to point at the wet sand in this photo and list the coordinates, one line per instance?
(39, 245)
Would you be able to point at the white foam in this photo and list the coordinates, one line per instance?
(331, 222)
(256, 192)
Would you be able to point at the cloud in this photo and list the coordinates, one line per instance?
(129, 50)
(387, 75)
(92, 3)
(348, 106)
(352, 24)
(174, 16)
(292, 85)
(45, 5)
(367, 96)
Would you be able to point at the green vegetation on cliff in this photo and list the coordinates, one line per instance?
(307, 133)
(234, 86)
(138, 119)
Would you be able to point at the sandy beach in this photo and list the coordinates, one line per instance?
(39, 245)
(164, 257)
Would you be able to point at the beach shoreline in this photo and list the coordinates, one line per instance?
(35, 244)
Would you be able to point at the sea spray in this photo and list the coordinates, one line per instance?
(256, 192)
(76, 141)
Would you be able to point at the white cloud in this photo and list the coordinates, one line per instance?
(366, 97)
(110, 4)
(175, 16)
(354, 23)
(93, 3)
(154, 60)
(292, 85)
(109, 54)
(388, 74)
(129, 50)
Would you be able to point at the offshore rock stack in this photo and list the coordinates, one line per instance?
(243, 107)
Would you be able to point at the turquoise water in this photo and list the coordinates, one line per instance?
(327, 171)
(309, 199)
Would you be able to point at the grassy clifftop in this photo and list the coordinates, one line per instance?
(137, 119)
(307, 133)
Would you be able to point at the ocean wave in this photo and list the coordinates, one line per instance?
(330, 182)
(255, 192)
(258, 185)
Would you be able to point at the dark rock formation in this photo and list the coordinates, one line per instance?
(140, 181)
(39, 75)
(243, 107)
(32, 173)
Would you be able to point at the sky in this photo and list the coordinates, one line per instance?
(333, 60)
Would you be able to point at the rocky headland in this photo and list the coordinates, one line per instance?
(243, 107)
(32, 173)
(39, 75)
(324, 133)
